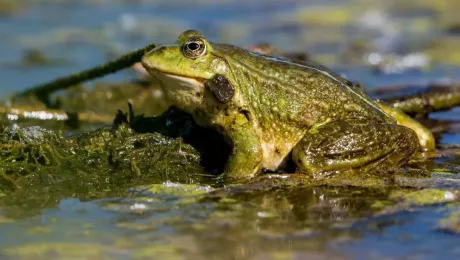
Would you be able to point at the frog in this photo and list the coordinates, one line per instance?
(272, 111)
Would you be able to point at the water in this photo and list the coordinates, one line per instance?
(297, 223)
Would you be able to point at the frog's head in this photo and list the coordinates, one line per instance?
(185, 68)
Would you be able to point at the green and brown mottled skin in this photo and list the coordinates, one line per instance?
(268, 107)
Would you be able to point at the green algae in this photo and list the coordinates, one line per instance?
(441, 171)
(39, 163)
(451, 222)
(33, 150)
(178, 189)
(61, 251)
(425, 197)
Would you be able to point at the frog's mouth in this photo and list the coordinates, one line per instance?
(172, 80)
(199, 81)
(161, 74)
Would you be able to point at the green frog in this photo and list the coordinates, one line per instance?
(270, 109)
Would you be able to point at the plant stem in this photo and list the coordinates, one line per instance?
(43, 91)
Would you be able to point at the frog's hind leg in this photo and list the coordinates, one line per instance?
(355, 145)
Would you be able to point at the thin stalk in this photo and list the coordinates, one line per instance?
(43, 91)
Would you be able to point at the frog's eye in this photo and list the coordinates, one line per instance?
(194, 48)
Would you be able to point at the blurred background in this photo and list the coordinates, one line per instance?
(43, 39)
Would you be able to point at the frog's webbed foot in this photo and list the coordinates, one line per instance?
(355, 145)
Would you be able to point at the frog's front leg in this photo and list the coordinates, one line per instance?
(246, 157)
(354, 145)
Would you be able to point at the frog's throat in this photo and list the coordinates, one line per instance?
(182, 92)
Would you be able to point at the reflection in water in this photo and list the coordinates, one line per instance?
(180, 220)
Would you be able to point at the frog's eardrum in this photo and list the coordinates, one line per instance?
(221, 87)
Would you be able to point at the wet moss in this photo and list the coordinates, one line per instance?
(40, 165)
(425, 197)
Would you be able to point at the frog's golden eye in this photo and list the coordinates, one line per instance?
(194, 48)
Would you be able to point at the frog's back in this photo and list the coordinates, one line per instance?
(303, 92)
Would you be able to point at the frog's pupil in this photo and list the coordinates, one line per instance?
(193, 46)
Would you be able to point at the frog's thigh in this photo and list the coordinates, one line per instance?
(346, 145)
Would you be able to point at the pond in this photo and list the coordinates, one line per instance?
(392, 47)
